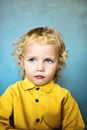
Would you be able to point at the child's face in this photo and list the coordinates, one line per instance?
(40, 62)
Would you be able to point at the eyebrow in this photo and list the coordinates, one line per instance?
(46, 57)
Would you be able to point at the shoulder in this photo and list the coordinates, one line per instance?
(60, 90)
(14, 88)
(16, 85)
(63, 94)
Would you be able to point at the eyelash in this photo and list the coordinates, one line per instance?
(32, 60)
(46, 60)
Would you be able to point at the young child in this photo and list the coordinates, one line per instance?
(37, 102)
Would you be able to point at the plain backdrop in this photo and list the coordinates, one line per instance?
(69, 17)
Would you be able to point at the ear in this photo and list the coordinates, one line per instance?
(21, 61)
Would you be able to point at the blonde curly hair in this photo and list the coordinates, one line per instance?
(50, 36)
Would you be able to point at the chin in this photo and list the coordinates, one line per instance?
(39, 83)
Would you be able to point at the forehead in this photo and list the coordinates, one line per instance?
(40, 47)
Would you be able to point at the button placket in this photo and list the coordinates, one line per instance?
(36, 118)
(37, 100)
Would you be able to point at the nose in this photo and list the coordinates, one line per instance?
(40, 66)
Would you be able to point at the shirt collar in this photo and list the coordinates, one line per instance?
(28, 84)
(46, 88)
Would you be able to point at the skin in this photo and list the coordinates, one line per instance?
(40, 62)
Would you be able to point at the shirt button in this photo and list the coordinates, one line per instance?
(37, 120)
(37, 88)
(36, 100)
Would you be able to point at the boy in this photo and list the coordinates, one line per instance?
(37, 102)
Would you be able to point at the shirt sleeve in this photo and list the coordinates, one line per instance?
(6, 106)
(71, 115)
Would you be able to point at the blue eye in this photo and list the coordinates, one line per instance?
(32, 60)
(49, 61)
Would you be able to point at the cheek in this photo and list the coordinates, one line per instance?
(29, 72)
(52, 70)
(27, 66)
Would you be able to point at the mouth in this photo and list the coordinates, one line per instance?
(39, 76)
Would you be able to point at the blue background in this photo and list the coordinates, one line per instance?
(69, 17)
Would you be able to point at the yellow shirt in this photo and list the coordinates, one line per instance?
(45, 107)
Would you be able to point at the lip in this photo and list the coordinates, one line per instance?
(39, 76)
